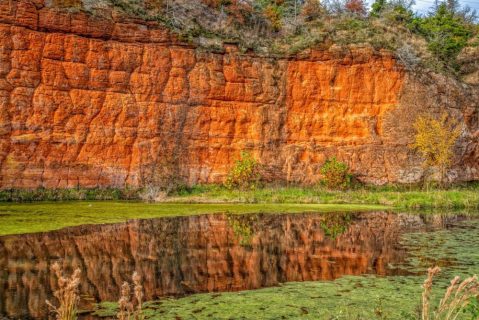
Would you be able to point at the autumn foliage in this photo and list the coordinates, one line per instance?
(356, 6)
(237, 10)
(435, 140)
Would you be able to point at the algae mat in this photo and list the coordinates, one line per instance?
(40, 217)
(454, 249)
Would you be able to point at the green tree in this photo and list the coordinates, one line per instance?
(393, 10)
(378, 7)
(335, 174)
(245, 173)
(446, 32)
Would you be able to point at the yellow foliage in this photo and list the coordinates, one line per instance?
(273, 14)
(435, 140)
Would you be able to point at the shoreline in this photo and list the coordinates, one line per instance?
(393, 196)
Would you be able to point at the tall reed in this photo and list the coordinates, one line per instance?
(67, 294)
(127, 302)
(457, 296)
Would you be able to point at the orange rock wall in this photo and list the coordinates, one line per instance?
(90, 102)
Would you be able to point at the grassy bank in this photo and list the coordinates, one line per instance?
(401, 197)
(460, 197)
(73, 194)
(21, 218)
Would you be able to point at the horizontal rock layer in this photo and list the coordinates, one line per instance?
(94, 102)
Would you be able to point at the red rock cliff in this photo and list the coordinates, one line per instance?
(91, 102)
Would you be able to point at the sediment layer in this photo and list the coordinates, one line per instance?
(91, 102)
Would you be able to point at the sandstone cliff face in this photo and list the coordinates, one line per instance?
(209, 253)
(93, 102)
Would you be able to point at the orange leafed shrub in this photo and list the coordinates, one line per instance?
(356, 6)
(435, 139)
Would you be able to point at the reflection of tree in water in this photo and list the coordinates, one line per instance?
(335, 224)
(242, 227)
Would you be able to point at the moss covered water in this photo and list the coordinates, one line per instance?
(317, 265)
(454, 249)
(18, 218)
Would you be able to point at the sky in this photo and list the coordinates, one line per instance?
(423, 6)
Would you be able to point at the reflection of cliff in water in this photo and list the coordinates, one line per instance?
(183, 255)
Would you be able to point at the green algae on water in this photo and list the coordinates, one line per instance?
(41, 216)
(351, 297)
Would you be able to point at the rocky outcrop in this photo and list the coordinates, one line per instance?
(88, 101)
(468, 60)
(209, 253)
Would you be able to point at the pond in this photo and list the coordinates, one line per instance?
(302, 265)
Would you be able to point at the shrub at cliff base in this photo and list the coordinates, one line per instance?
(435, 140)
(245, 173)
(336, 174)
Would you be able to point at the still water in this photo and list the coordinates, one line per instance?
(181, 256)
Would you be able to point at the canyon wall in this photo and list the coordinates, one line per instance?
(89, 101)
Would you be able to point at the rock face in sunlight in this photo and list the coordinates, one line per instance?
(208, 253)
(92, 102)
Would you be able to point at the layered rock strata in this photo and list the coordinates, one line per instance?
(94, 102)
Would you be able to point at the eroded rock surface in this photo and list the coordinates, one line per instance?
(89, 102)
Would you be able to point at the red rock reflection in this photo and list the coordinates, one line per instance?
(207, 253)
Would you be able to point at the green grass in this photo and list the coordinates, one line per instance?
(17, 218)
(42, 194)
(401, 197)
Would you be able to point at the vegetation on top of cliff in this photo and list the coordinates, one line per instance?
(288, 27)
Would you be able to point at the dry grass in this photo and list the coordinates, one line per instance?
(67, 294)
(457, 296)
(127, 302)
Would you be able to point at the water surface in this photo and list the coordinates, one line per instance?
(183, 256)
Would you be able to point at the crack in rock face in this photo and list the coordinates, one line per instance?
(90, 102)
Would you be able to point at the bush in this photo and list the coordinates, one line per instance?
(245, 173)
(408, 57)
(356, 7)
(274, 14)
(311, 10)
(336, 174)
(435, 140)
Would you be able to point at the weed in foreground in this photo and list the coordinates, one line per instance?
(456, 298)
(67, 294)
(127, 300)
